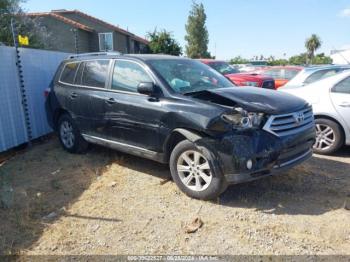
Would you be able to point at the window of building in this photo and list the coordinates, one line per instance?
(106, 41)
(69, 72)
(128, 75)
(95, 73)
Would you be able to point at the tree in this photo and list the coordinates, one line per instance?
(239, 60)
(300, 59)
(11, 9)
(162, 42)
(312, 44)
(277, 62)
(321, 59)
(197, 34)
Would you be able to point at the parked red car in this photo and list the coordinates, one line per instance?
(281, 74)
(240, 79)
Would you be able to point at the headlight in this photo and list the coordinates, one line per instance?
(240, 118)
(249, 83)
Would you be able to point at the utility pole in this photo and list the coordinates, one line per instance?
(25, 106)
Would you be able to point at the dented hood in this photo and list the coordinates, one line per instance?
(261, 100)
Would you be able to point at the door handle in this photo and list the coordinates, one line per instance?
(345, 104)
(111, 101)
(73, 95)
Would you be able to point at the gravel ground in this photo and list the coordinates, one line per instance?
(106, 202)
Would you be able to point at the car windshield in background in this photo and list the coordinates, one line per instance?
(223, 68)
(187, 76)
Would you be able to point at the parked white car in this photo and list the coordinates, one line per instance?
(312, 74)
(330, 99)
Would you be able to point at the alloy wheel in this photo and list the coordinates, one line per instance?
(67, 135)
(325, 137)
(194, 170)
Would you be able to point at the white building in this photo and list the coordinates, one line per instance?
(340, 57)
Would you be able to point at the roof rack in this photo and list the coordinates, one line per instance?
(94, 54)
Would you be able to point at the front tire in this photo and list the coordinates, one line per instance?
(69, 135)
(329, 136)
(194, 173)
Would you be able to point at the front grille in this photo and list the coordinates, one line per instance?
(269, 84)
(289, 124)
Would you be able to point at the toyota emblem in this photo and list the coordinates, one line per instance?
(299, 118)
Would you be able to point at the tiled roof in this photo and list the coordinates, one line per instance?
(63, 19)
(113, 27)
(116, 28)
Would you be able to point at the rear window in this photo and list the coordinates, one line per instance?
(274, 73)
(290, 73)
(95, 73)
(69, 72)
(321, 75)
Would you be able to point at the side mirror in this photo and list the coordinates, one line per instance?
(146, 88)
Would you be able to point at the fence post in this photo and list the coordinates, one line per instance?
(21, 84)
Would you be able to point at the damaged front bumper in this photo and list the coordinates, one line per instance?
(275, 170)
(252, 154)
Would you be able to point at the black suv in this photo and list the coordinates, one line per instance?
(179, 111)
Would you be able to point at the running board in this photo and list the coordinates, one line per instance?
(126, 148)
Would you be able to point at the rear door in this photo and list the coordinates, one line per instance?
(133, 118)
(66, 82)
(86, 97)
(92, 93)
(340, 95)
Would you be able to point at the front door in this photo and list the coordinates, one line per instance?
(340, 95)
(133, 118)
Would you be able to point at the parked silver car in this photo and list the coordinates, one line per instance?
(330, 99)
(312, 74)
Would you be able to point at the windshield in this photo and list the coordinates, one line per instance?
(223, 68)
(187, 76)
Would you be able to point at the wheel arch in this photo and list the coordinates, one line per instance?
(178, 135)
(319, 116)
(56, 116)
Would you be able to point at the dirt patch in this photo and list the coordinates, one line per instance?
(106, 202)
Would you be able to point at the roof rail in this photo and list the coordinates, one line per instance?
(94, 54)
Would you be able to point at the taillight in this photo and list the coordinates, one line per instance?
(47, 92)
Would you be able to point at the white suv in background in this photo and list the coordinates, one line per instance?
(330, 99)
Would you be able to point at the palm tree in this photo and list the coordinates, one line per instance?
(312, 44)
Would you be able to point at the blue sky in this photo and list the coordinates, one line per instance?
(236, 27)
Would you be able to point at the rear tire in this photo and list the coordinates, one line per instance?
(329, 136)
(69, 135)
(193, 171)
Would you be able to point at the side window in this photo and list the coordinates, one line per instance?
(342, 87)
(320, 75)
(127, 76)
(78, 75)
(68, 73)
(95, 73)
